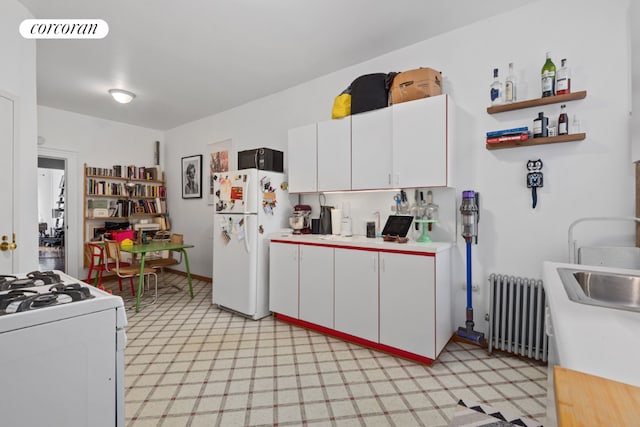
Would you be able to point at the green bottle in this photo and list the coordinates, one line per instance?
(548, 77)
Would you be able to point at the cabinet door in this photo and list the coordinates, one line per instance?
(334, 155)
(356, 288)
(283, 278)
(407, 303)
(302, 159)
(371, 150)
(420, 142)
(316, 285)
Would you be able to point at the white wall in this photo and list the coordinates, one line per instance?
(588, 178)
(96, 142)
(18, 78)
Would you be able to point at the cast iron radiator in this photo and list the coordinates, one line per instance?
(516, 316)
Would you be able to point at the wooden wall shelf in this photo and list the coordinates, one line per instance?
(537, 141)
(537, 102)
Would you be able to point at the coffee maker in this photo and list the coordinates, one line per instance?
(300, 220)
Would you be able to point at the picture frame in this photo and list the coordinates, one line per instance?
(192, 177)
(220, 159)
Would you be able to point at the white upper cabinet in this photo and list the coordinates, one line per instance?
(302, 155)
(371, 150)
(421, 143)
(334, 155)
(408, 145)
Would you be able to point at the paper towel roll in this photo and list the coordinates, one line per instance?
(336, 221)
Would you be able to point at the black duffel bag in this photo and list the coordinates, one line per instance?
(370, 92)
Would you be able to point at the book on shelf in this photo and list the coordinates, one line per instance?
(503, 132)
(151, 173)
(506, 138)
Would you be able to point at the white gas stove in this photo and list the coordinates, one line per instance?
(62, 352)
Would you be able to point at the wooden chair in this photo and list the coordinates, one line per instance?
(99, 262)
(162, 263)
(125, 270)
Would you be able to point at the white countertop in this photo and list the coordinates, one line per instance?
(361, 242)
(596, 340)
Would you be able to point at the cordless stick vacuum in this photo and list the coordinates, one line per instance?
(470, 218)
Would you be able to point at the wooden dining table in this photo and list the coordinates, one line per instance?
(156, 246)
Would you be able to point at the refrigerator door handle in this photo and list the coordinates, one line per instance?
(245, 200)
(246, 233)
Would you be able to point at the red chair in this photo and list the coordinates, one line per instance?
(98, 262)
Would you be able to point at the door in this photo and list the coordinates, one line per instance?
(82, 378)
(283, 279)
(236, 191)
(356, 293)
(316, 285)
(420, 142)
(302, 159)
(371, 151)
(52, 223)
(235, 262)
(334, 155)
(7, 133)
(407, 303)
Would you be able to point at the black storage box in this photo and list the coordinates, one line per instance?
(261, 158)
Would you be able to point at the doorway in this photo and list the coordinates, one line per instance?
(51, 214)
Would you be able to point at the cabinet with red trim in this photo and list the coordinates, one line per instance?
(389, 297)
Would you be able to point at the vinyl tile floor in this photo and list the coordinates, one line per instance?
(189, 363)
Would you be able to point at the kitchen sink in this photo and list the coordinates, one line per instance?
(612, 290)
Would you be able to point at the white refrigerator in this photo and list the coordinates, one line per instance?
(249, 205)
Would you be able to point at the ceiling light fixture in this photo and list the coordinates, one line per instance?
(122, 96)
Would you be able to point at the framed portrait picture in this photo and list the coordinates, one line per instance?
(220, 159)
(192, 177)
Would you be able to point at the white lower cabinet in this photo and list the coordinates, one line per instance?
(316, 285)
(283, 279)
(407, 302)
(356, 288)
(396, 300)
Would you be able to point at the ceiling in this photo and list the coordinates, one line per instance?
(189, 59)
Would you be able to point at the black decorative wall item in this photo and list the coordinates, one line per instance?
(534, 179)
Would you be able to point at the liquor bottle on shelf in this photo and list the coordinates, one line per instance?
(540, 126)
(575, 125)
(563, 121)
(510, 86)
(548, 76)
(563, 79)
(496, 89)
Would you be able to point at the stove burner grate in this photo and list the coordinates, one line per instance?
(20, 300)
(76, 291)
(20, 284)
(13, 297)
(48, 277)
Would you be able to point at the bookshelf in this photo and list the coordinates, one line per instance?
(537, 103)
(121, 196)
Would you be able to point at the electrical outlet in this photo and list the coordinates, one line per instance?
(474, 287)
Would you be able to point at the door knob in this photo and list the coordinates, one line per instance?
(6, 245)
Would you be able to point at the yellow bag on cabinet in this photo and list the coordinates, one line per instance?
(342, 105)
